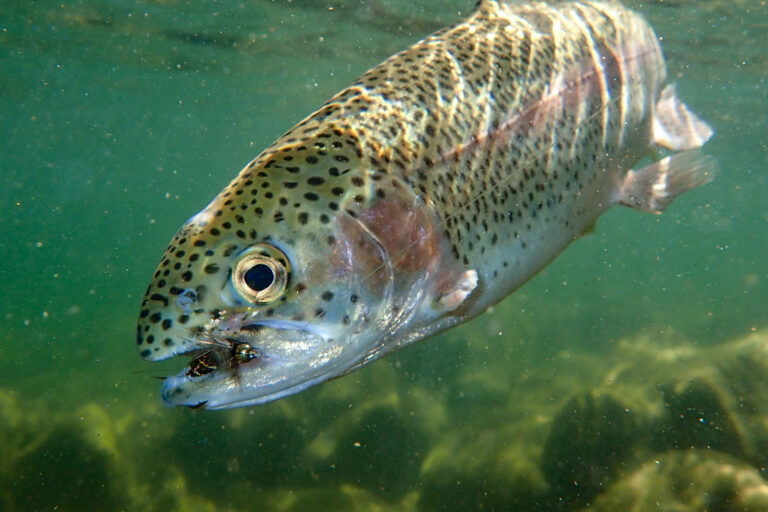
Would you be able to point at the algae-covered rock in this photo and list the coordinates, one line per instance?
(377, 446)
(589, 440)
(701, 413)
(380, 450)
(688, 481)
(703, 400)
(216, 451)
(657, 397)
(493, 468)
(68, 472)
(719, 401)
(67, 462)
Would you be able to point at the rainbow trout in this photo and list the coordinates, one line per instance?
(434, 186)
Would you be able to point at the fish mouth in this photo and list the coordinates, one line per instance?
(255, 364)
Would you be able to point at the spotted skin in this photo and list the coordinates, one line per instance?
(431, 188)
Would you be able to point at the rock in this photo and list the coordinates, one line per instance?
(494, 468)
(590, 439)
(68, 472)
(699, 413)
(688, 481)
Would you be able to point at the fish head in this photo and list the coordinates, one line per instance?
(288, 278)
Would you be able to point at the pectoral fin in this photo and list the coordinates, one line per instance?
(454, 295)
(653, 187)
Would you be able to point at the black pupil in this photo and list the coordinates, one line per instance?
(259, 277)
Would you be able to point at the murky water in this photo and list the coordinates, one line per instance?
(632, 371)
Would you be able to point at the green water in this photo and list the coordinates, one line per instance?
(640, 355)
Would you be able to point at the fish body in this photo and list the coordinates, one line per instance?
(428, 190)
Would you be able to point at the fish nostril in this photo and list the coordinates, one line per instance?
(185, 300)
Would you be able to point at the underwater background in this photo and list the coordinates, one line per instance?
(631, 374)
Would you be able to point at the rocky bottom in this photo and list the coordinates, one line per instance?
(648, 426)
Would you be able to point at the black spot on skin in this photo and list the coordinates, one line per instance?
(144, 313)
(290, 184)
(353, 298)
(311, 159)
(175, 291)
(316, 181)
(155, 318)
(327, 296)
(183, 319)
(211, 268)
(186, 276)
(303, 218)
(167, 324)
(146, 353)
(150, 339)
(311, 196)
(167, 342)
(159, 298)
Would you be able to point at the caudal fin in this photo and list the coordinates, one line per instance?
(653, 187)
(675, 126)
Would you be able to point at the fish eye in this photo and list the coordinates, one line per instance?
(261, 274)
